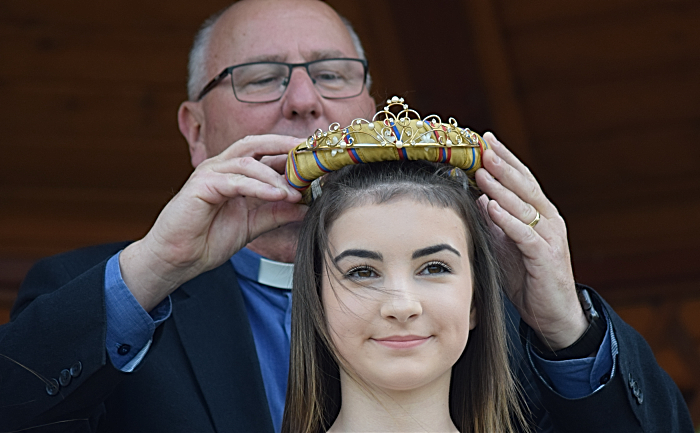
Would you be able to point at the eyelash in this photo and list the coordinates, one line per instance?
(356, 269)
(443, 265)
(445, 269)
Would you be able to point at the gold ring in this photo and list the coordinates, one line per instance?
(536, 220)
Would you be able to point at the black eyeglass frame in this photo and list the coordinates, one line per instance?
(227, 71)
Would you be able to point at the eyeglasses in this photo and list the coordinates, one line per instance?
(267, 81)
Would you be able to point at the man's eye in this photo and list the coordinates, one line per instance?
(360, 272)
(265, 81)
(435, 268)
(328, 76)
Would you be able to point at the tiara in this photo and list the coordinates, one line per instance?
(395, 133)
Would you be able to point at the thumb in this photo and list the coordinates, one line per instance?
(274, 215)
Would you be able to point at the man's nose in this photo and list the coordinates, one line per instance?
(301, 99)
(401, 305)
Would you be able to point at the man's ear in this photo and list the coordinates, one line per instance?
(190, 119)
(473, 318)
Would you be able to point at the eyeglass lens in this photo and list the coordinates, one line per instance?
(262, 82)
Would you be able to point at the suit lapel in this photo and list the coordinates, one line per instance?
(213, 325)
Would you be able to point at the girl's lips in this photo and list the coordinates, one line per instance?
(402, 341)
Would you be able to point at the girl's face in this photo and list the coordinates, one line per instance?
(398, 305)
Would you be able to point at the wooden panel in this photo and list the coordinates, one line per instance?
(633, 45)
(157, 15)
(45, 202)
(642, 228)
(105, 167)
(95, 54)
(622, 167)
(689, 315)
(38, 237)
(597, 109)
(497, 73)
(655, 267)
(12, 272)
(674, 364)
(552, 13)
(389, 70)
(83, 111)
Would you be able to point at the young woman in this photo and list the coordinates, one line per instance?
(398, 322)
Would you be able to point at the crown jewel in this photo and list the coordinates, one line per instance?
(405, 128)
(394, 133)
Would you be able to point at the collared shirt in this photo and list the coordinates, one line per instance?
(576, 378)
(269, 312)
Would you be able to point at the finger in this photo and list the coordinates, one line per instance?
(277, 162)
(521, 182)
(225, 187)
(530, 244)
(251, 168)
(257, 146)
(503, 152)
(215, 181)
(507, 199)
(273, 215)
(483, 203)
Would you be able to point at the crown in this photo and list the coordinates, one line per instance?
(394, 133)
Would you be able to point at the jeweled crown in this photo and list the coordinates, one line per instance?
(388, 136)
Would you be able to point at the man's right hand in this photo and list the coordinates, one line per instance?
(228, 201)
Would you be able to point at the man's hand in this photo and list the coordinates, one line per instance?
(541, 283)
(228, 201)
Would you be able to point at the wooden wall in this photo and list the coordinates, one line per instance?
(600, 97)
(610, 96)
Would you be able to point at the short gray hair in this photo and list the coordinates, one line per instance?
(197, 65)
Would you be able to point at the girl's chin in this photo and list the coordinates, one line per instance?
(403, 381)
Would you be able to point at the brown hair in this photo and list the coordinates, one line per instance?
(483, 394)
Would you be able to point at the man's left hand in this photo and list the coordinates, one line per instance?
(541, 284)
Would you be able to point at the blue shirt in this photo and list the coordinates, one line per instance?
(269, 312)
(576, 378)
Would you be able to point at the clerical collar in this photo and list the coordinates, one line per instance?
(253, 266)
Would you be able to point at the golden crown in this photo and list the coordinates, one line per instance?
(388, 136)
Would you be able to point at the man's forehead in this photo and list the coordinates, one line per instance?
(286, 31)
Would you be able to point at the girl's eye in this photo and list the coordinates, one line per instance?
(435, 268)
(360, 272)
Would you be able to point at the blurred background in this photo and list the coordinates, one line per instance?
(600, 98)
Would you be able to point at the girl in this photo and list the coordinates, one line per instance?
(398, 321)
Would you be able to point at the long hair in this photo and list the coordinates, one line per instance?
(483, 395)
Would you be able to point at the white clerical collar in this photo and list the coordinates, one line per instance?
(275, 274)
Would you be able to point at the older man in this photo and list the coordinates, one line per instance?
(187, 329)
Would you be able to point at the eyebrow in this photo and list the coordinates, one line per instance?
(315, 55)
(434, 249)
(266, 58)
(363, 254)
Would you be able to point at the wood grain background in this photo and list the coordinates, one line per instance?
(601, 98)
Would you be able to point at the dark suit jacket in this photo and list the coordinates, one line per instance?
(201, 373)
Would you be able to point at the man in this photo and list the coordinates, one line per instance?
(171, 334)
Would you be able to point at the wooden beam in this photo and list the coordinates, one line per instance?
(375, 24)
(499, 82)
